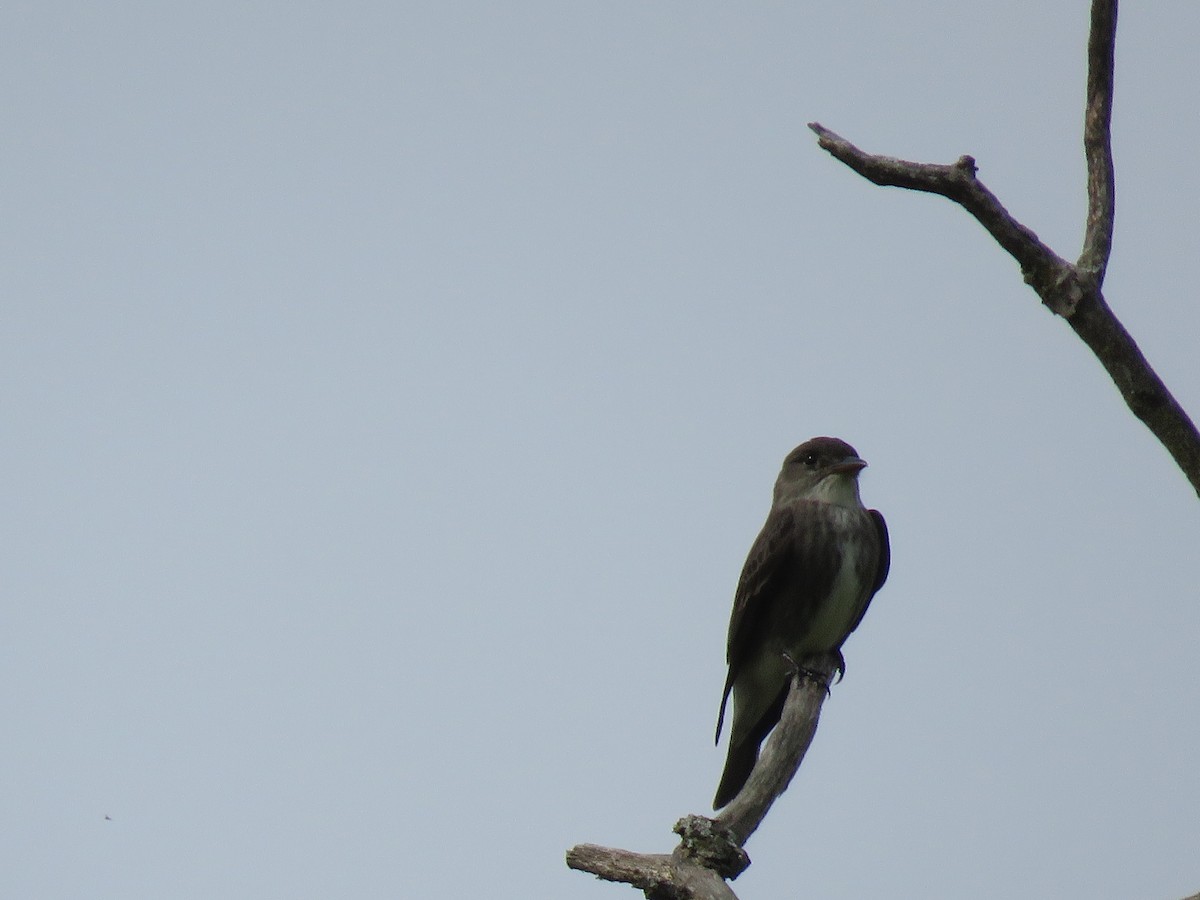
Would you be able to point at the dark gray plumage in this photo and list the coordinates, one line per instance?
(805, 586)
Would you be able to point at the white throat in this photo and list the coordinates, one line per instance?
(837, 488)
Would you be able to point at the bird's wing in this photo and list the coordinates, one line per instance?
(882, 564)
(767, 561)
(885, 549)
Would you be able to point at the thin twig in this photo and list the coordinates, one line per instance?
(1049, 274)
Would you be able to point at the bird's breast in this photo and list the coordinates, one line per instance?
(830, 586)
(834, 615)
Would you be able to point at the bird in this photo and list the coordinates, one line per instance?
(806, 585)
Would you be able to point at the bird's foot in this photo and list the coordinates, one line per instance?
(818, 675)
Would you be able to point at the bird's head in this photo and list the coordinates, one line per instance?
(824, 469)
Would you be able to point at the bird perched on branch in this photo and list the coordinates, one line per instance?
(807, 582)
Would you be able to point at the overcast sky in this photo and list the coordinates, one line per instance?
(393, 390)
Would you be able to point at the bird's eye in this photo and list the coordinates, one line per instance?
(809, 459)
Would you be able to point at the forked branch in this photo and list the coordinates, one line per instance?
(1072, 291)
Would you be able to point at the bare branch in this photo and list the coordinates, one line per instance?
(1097, 142)
(710, 850)
(1143, 391)
(642, 870)
(1050, 275)
(659, 876)
(1071, 291)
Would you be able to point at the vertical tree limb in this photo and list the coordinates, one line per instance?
(1097, 142)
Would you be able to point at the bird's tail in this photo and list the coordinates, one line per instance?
(739, 763)
(743, 750)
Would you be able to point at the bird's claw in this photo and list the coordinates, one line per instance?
(840, 667)
(816, 675)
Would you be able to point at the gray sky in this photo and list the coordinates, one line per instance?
(393, 391)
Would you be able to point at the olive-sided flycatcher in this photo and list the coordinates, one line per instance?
(806, 584)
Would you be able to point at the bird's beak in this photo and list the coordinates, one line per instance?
(851, 465)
